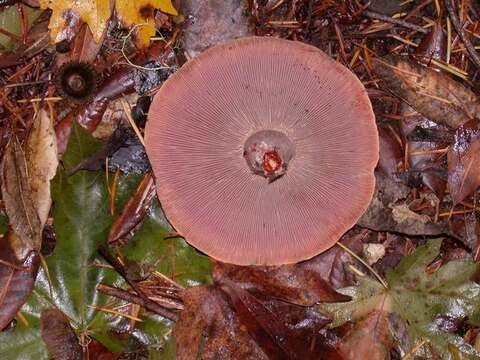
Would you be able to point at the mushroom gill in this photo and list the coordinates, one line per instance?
(263, 151)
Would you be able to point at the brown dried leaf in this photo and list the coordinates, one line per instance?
(433, 94)
(135, 209)
(209, 329)
(42, 162)
(391, 154)
(272, 334)
(369, 339)
(463, 160)
(334, 264)
(291, 283)
(19, 204)
(62, 343)
(433, 46)
(17, 278)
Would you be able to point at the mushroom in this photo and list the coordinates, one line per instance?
(263, 151)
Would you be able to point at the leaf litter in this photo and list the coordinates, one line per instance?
(158, 297)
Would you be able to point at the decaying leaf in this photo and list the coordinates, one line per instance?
(228, 322)
(19, 204)
(62, 343)
(17, 278)
(388, 211)
(140, 13)
(425, 141)
(96, 14)
(369, 339)
(463, 160)
(42, 162)
(208, 329)
(291, 283)
(433, 94)
(419, 299)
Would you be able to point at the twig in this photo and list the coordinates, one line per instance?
(459, 29)
(387, 19)
(135, 299)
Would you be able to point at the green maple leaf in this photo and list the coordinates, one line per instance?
(418, 299)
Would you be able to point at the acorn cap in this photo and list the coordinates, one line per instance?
(263, 151)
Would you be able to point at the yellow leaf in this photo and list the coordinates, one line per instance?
(93, 12)
(96, 14)
(140, 13)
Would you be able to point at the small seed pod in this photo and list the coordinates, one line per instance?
(77, 81)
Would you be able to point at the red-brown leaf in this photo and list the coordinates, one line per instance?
(292, 283)
(17, 278)
(369, 339)
(62, 343)
(463, 160)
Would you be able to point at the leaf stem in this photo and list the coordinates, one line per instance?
(364, 263)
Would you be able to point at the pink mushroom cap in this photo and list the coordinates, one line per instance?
(263, 151)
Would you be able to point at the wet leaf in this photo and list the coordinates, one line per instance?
(142, 12)
(135, 209)
(10, 21)
(271, 332)
(463, 160)
(153, 250)
(418, 299)
(208, 328)
(81, 223)
(291, 283)
(388, 211)
(19, 204)
(433, 94)
(96, 14)
(369, 339)
(17, 278)
(62, 343)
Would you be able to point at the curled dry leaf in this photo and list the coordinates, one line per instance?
(62, 343)
(463, 160)
(433, 94)
(17, 196)
(135, 209)
(42, 162)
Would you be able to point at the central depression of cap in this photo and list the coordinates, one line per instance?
(200, 120)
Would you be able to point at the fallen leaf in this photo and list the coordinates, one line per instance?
(17, 278)
(419, 298)
(19, 204)
(140, 13)
(291, 283)
(272, 334)
(42, 162)
(209, 329)
(433, 94)
(62, 343)
(463, 159)
(96, 13)
(135, 209)
(370, 339)
(388, 211)
(391, 154)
